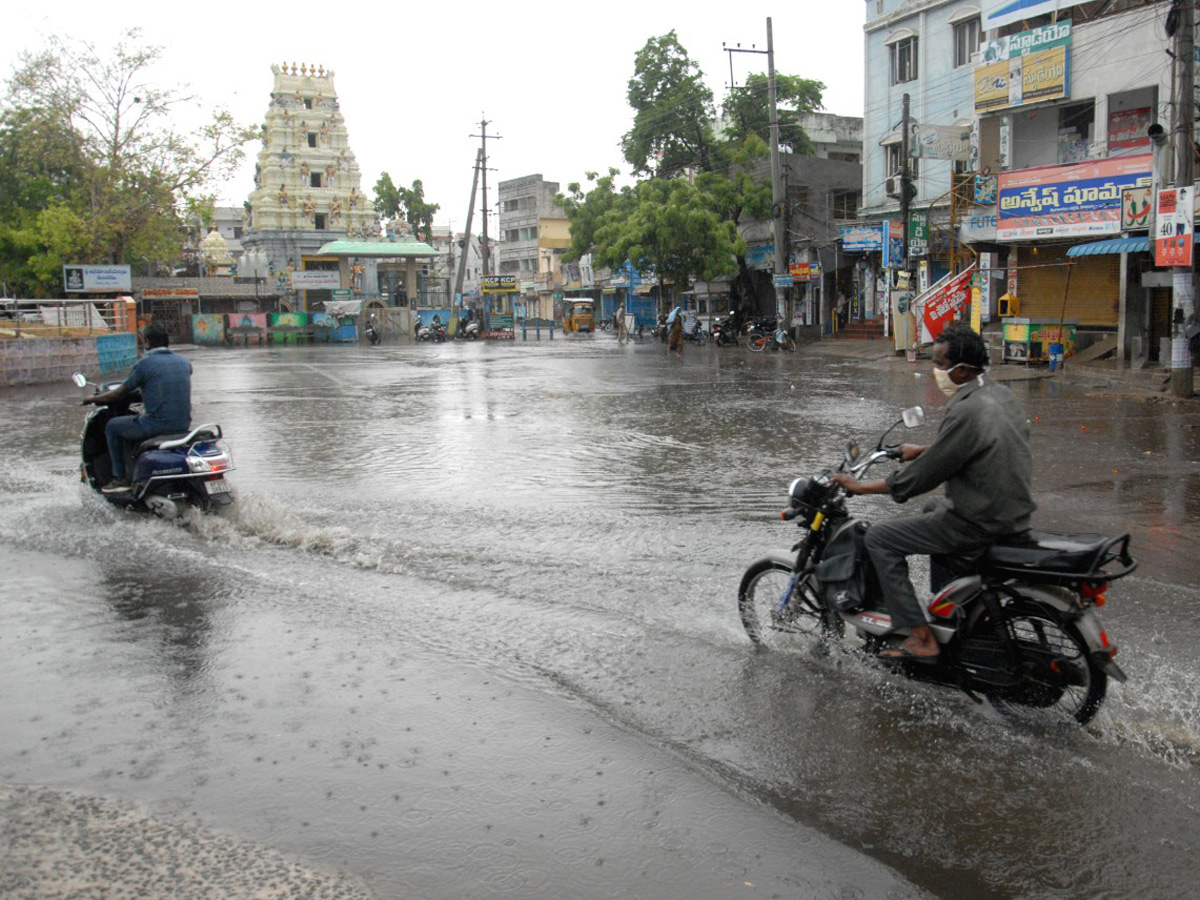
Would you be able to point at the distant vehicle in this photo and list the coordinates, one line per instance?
(580, 318)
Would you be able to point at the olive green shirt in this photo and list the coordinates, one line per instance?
(982, 455)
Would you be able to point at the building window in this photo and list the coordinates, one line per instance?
(308, 102)
(904, 61)
(320, 223)
(312, 139)
(895, 161)
(966, 42)
(315, 179)
(845, 204)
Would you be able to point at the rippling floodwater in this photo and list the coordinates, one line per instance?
(570, 520)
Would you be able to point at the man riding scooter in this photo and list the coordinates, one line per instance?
(165, 381)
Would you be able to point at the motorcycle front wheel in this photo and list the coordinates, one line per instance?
(757, 342)
(779, 619)
(1058, 675)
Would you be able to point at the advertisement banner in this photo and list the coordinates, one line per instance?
(862, 238)
(942, 142)
(893, 248)
(1135, 208)
(1029, 78)
(1127, 129)
(939, 304)
(1173, 227)
(1058, 201)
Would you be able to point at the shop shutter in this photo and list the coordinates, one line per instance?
(1095, 287)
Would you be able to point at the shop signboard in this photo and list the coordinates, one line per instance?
(1173, 227)
(942, 142)
(1135, 208)
(1067, 201)
(1005, 12)
(918, 234)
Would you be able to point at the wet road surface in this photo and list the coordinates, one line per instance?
(473, 633)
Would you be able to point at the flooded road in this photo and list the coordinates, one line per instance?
(473, 632)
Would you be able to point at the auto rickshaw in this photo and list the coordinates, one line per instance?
(579, 317)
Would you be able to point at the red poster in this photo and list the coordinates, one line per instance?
(1127, 128)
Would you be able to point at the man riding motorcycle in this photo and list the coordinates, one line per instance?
(981, 454)
(165, 381)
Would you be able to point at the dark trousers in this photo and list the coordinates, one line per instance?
(936, 533)
(122, 433)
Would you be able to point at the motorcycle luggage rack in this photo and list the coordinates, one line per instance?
(1037, 558)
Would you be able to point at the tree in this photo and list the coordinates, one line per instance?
(673, 111)
(747, 109)
(394, 202)
(669, 227)
(585, 210)
(116, 170)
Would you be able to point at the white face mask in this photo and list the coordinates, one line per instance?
(944, 382)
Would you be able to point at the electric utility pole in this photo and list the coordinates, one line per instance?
(779, 210)
(906, 191)
(483, 124)
(1185, 176)
(462, 262)
(778, 200)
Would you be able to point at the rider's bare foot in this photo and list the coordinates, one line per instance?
(920, 645)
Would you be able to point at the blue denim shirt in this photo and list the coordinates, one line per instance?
(165, 380)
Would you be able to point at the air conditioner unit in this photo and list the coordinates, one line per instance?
(891, 187)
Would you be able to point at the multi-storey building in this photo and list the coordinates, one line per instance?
(534, 234)
(1057, 97)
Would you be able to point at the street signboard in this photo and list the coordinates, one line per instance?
(316, 280)
(918, 234)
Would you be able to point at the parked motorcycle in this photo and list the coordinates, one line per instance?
(434, 331)
(468, 330)
(724, 331)
(696, 334)
(372, 332)
(1020, 628)
(170, 473)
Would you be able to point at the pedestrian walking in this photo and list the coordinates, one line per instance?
(675, 335)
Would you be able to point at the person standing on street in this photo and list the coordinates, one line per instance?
(675, 334)
(982, 455)
(622, 331)
(165, 380)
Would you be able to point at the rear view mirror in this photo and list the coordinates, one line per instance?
(851, 452)
(80, 379)
(913, 416)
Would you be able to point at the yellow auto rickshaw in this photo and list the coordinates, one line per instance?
(579, 316)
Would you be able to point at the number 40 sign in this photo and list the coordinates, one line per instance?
(1175, 208)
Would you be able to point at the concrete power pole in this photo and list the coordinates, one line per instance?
(906, 191)
(1185, 176)
(462, 262)
(483, 124)
(778, 200)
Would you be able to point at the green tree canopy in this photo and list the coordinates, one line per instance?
(95, 170)
(409, 203)
(673, 111)
(670, 227)
(747, 109)
(585, 209)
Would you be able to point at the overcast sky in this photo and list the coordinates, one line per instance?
(415, 79)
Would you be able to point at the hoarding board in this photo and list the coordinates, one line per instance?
(1174, 209)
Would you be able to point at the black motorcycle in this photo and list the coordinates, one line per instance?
(1018, 628)
(372, 332)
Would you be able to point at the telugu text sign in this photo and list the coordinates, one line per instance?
(1053, 201)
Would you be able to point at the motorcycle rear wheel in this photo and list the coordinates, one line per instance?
(757, 342)
(804, 623)
(1060, 677)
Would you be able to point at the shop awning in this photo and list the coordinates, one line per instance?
(1118, 245)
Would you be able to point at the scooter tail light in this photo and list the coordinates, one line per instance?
(1094, 591)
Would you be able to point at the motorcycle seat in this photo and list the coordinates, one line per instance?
(159, 441)
(1048, 553)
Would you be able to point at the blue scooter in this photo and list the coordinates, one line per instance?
(171, 472)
